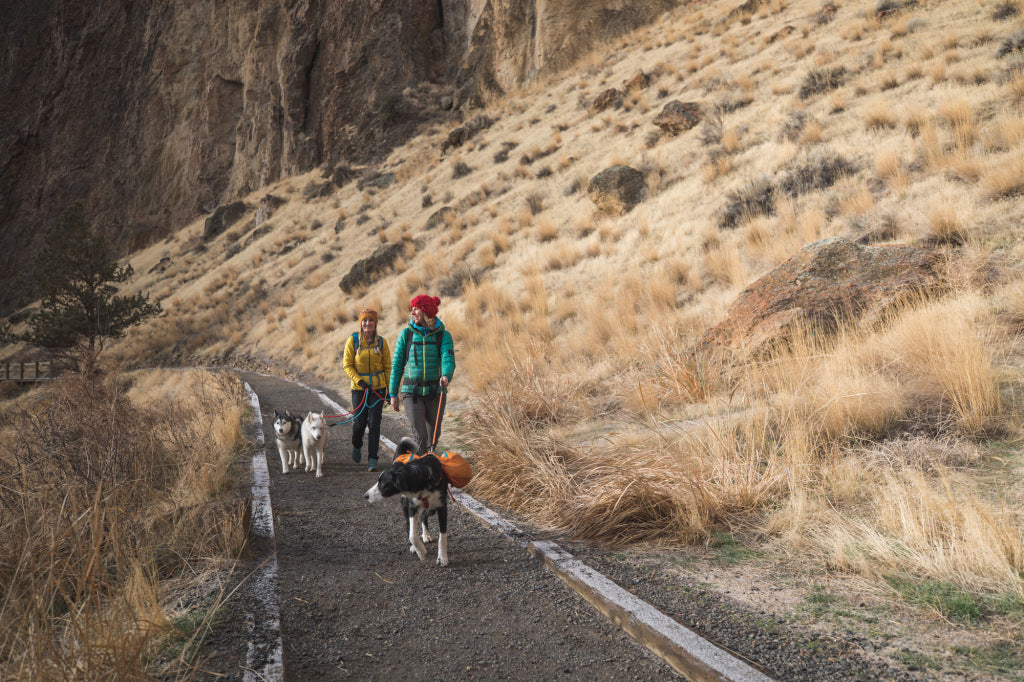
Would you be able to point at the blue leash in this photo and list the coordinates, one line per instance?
(362, 407)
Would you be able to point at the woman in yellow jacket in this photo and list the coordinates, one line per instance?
(368, 364)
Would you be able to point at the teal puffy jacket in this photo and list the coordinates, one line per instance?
(422, 356)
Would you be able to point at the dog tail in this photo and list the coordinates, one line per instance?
(405, 446)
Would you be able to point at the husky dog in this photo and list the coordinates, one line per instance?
(289, 439)
(314, 440)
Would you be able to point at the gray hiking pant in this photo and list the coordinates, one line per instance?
(421, 413)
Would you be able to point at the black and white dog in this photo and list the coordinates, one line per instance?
(424, 490)
(289, 439)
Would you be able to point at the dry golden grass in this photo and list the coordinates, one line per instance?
(1003, 176)
(878, 114)
(1006, 132)
(958, 113)
(932, 123)
(946, 221)
(136, 492)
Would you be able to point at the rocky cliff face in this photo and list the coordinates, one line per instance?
(153, 113)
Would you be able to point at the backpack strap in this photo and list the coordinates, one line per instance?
(355, 350)
(438, 339)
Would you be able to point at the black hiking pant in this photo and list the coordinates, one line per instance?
(369, 416)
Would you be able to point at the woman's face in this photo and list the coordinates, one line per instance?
(418, 316)
(368, 325)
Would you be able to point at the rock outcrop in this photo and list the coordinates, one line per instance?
(366, 271)
(224, 217)
(825, 283)
(154, 113)
(677, 117)
(617, 190)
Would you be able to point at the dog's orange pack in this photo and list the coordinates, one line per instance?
(455, 466)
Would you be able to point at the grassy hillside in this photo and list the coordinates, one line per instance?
(887, 455)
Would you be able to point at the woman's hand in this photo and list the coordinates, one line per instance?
(444, 381)
(394, 403)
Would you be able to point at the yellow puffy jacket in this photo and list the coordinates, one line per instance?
(369, 363)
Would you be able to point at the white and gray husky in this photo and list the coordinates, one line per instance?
(287, 433)
(314, 441)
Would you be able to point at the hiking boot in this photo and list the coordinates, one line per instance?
(357, 454)
(373, 464)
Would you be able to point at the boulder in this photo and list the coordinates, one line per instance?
(455, 139)
(618, 189)
(343, 174)
(609, 98)
(442, 216)
(369, 269)
(825, 283)
(462, 134)
(677, 117)
(637, 82)
(222, 218)
(375, 179)
(317, 190)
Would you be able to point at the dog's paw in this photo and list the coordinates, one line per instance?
(442, 560)
(319, 474)
(427, 539)
(420, 550)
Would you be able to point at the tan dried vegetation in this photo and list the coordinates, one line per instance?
(578, 400)
(120, 510)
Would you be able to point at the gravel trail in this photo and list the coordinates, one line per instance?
(355, 603)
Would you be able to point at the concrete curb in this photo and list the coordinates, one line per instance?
(264, 659)
(692, 656)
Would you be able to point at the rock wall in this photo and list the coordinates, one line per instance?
(512, 41)
(153, 113)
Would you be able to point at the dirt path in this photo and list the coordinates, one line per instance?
(354, 603)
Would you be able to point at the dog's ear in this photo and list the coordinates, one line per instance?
(401, 481)
(388, 482)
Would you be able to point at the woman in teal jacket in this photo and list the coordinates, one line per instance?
(421, 369)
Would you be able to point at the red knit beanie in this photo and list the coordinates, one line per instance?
(428, 304)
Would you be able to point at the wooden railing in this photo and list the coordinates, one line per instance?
(39, 370)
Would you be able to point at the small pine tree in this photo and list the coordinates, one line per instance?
(75, 276)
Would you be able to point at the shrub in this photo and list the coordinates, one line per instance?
(755, 198)
(711, 128)
(1005, 10)
(794, 126)
(819, 172)
(822, 80)
(391, 106)
(1012, 43)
